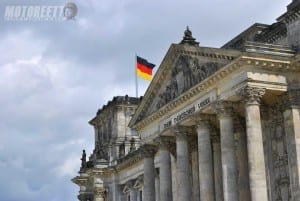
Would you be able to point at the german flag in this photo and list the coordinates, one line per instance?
(144, 68)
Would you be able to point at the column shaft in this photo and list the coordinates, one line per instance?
(183, 167)
(165, 174)
(229, 164)
(149, 173)
(258, 184)
(206, 178)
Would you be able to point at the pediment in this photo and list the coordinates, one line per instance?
(182, 68)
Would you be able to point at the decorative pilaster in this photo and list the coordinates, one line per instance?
(165, 172)
(257, 174)
(292, 129)
(148, 152)
(224, 111)
(183, 164)
(205, 160)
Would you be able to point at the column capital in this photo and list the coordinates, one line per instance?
(99, 192)
(203, 119)
(148, 151)
(165, 142)
(223, 108)
(291, 99)
(181, 131)
(251, 95)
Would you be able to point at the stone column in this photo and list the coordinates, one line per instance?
(182, 165)
(242, 160)
(292, 129)
(229, 165)
(218, 180)
(165, 171)
(149, 172)
(256, 160)
(205, 160)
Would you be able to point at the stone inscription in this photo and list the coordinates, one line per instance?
(186, 112)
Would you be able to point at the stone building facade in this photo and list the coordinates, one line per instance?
(215, 124)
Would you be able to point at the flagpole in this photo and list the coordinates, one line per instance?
(136, 78)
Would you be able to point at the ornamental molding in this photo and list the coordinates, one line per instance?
(243, 61)
(251, 95)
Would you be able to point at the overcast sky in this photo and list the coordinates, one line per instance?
(55, 75)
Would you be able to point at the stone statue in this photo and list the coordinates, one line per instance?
(83, 160)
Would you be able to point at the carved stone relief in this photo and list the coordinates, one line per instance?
(187, 72)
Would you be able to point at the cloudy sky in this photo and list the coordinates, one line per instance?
(55, 75)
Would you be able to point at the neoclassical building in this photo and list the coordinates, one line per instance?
(215, 124)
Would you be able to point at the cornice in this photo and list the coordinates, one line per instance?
(290, 16)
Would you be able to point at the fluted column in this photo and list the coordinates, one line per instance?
(229, 165)
(217, 166)
(256, 160)
(183, 165)
(206, 177)
(165, 172)
(292, 129)
(149, 172)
